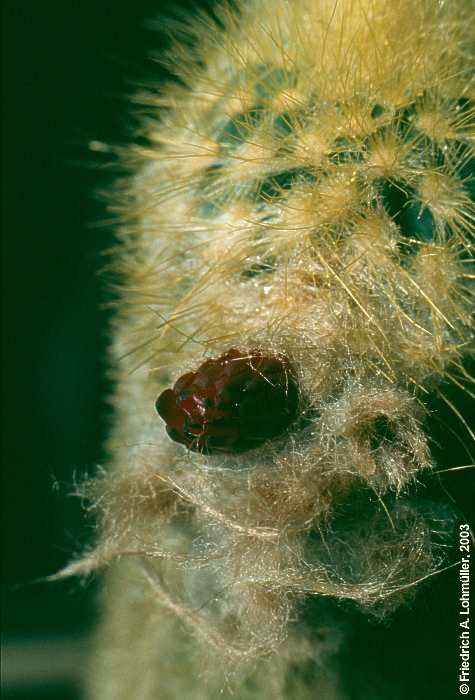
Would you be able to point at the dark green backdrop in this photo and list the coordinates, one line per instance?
(68, 69)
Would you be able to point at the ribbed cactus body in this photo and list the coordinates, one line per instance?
(304, 191)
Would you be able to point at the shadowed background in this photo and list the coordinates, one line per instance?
(67, 72)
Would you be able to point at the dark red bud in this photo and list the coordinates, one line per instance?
(232, 403)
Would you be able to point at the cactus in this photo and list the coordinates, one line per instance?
(303, 192)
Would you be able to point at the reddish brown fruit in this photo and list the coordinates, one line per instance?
(232, 403)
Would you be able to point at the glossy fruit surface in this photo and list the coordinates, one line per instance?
(232, 403)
